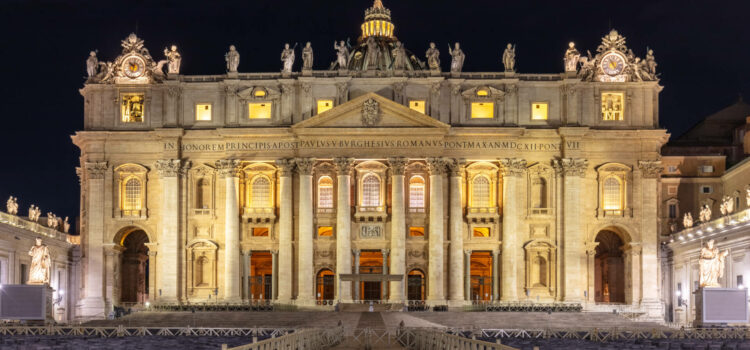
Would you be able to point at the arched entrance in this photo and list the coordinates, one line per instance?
(261, 276)
(324, 286)
(481, 276)
(371, 262)
(415, 285)
(609, 268)
(134, 268)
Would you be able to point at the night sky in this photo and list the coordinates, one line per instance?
(702, 49)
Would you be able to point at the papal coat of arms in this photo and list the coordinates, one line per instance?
(370, 112)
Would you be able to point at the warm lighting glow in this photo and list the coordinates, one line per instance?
(416, 231)
(203, 112)
(539, 110)
(417, 105)
(612, 194)
(481, 232)
(482, 110)
(613, 106)
(324, 105)
(260, 93)
(325, 192)
(260, 231)
(260, 110)
(132, 108)
(483, 92)
(130, 197)
(416, 192)
(325, 231)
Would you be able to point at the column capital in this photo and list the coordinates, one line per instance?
(228, 167)
(650, 168)
(456, 167)
(168, 167)
(305, 165)
(274, 251)
(248, 253)
(467, 251)
(398, 165)
(111, 249)
(571, 166)
(355, 252)
(512, 166)
(343, 165)
(186, 165)
(437, 165)
(285, 166)
(385, 252)
(96, 170)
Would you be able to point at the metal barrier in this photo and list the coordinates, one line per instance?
(312, 339)
(123, 331)
(523, 306)
(427, 339)
(615, 334)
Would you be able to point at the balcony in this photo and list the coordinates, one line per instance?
(723, 225)
(259, 215)
(370, 214)
(139, 214)
(540, 211)
(482, 215)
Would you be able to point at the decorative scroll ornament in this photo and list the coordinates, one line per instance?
(513, 166)
(437, 165)
(305, 165)
(650, 168)
(168, 167)
(96, 170)
(571, 166)
(370, 113)
(228, 167)
(343, 165)
(285, 166)
(398, 165)
(615, 62)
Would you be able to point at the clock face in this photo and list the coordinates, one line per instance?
(133, 67)
(613, 64)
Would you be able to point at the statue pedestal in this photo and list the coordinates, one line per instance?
(571, 74)
(343, 72)
(307, 72)
(233, 75)
(31, 302)
(715, 306)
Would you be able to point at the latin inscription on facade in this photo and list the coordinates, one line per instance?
(370, 232)
(368, 144)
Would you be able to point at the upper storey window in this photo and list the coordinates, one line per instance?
(261, 192)
(324, 105)
(203, 112)
(261, 110)
(325, 192)
(131, 197)
(613, 194)
(260, 93)
(539, 110)
(417, 105)
(613, 106)
(482, 110)
(480, 195)
(416, 192)
(371, 191)
(132, 108)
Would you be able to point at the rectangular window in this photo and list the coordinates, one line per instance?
(740, 282)
(613, 106)
(482, 110)
(260, 231)
(324, 105)
(539, 110)
(707, 189)
(672, 190)
(203, 112)
(416, 231)
(481, 232)
(24, 273)
(672, 211)
(707, 168)
(417, 105)
(672, 169)
(325, 231)
(132, 108)
(260, 110)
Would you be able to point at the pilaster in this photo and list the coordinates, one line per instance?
(92, 306)
(284, 274)
(435, 286)
(651, 172)
(398, 228)
(456, 288)
(513, 169)
(343, 227)
(229, 170)
(305, 273)
(169, 234)
(573, 170)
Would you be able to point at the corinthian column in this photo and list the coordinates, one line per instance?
(512, 169)
(456, 269)
(285, 230)
(169, 236)
(650, 173)
(398, 228)
(343, 228)
(229, 170)
(93, 302)
(435, 293)
(305, 274)
(574, 281)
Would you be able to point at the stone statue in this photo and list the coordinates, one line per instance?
(34, 213)
(52, 220)
(571, 57)
(233, 59)
(307, 56)
(12, 205)
(458, 58)
(92, 65)
(373, 53)
(342, 54)
(687, 220)
(705, 214)
(174, 59)
(433, 58)
(40, 264)
(747, 196)
(711, 265)
(586, 73)
(650, 62)
(727, 205)
(66, 225)
(399, 56)
(287, 56)
(673, 227)
(509, 58)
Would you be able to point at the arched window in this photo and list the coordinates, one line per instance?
(370, 191)
(261, 192)
(131, 197)
(612, 194)
(538, 193)
(416, 192)
(480, 195)
(202, 194)
(325, 192)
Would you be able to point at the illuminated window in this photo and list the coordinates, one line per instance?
(417, 105)
(539, 110)
(613, 106)
(416, 231)
(260, 231)
(132, 108)
(324, 105)
(481, 232)
(131, 198)
(325, 192)
(261, 192)
(203, 112)
(370, 191)
(483, 92)
(480, 192)
(260, 110)
(416, 192)
(612, 193)
(538, 193)
(325, 231)
(482, 110)
(260, 93)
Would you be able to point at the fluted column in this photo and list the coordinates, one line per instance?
(574, 170)
(495, 275)
(343, 227)
(513, 169)
(113, 255)
(356, 271)
(229, 170)
(275, 272)
(456, 267)
(246, 258)
(93, 302)
(435, 293)
(286, 166)
(169, 235)
(305, 274)
(384, 288)
(649, 260)
(467, 274)
(398, 228)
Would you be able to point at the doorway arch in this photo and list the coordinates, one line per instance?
(324, 286)
(609, 268)
(134, 268)
(415, 285)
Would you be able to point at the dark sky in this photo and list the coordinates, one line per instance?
(702, 47)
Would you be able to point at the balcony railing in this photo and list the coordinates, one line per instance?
(724, 224)
(482, 214)
(259, 215)
(371, 214)
(38, 228)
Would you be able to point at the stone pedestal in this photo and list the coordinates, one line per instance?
(716, 306)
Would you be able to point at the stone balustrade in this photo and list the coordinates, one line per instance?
(38, 228)
(712, 228)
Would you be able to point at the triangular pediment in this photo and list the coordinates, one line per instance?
(371, 111)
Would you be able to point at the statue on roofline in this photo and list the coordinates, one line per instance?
(174, 59)
(342, 54)
(433, 58)
(711, 265)
(458, 58)
(571, 58)
(687, 220)
(287, 57)
(40, 264)
(307, 56)
(509, 58)
(705, 214)
(399, 56)
(12, 205)
(233, 59)
(92, 65)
